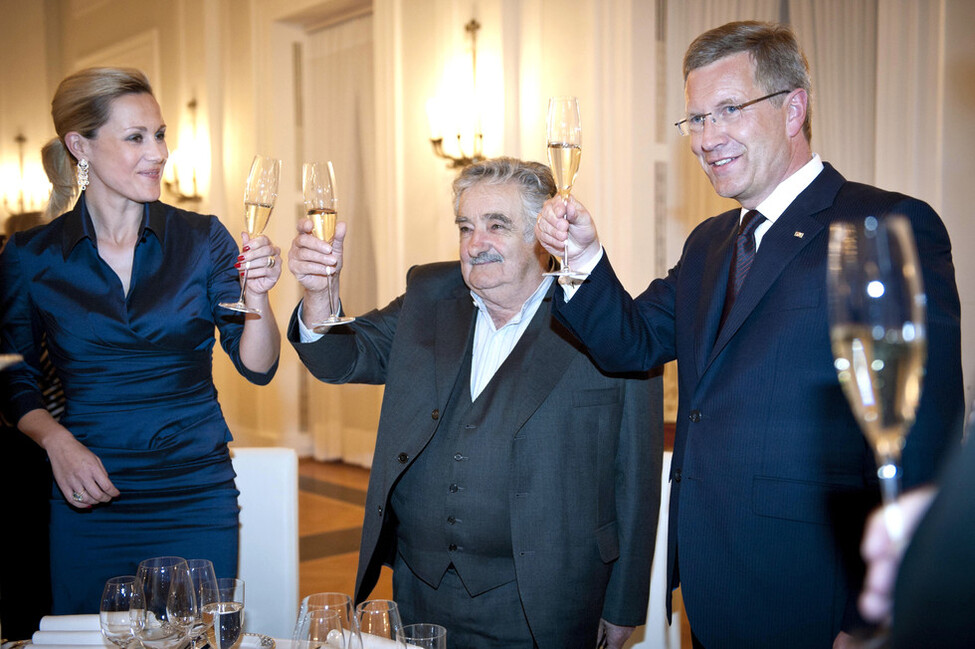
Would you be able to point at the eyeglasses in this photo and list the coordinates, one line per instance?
(722, 116)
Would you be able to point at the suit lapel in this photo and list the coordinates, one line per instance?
(779, 247)
(713, 283)
(455, 326)
(546, 362)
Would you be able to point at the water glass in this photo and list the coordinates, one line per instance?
(425, 636)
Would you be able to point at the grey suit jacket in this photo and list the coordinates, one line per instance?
(586, 452)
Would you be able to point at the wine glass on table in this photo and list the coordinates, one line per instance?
(319, 627)
(341, 604)
(223, 612)
(122, 611)
(321, 205)
(879, 339)
(564, 131)
(259, 197)
(380, 618)
(425, 636)
(201, 573)
(171, 605)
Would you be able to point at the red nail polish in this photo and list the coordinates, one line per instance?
(240, 257)
(237, 265)
(242, 274)
(246, 248)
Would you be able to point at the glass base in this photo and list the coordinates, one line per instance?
(566, 272)
(331, 321)
(240, 307)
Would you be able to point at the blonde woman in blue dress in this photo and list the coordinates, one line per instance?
(125, 289)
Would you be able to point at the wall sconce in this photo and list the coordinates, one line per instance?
(31, 183)
(460, 115)
(182, 172)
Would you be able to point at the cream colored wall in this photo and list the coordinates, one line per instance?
(233, 56)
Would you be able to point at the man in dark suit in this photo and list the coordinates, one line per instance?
(771, 477)
(514, 487)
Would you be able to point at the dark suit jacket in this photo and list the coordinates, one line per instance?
(586, 452)
(935, 593)
(771, 477)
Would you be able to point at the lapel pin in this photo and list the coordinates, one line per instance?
(798, 235)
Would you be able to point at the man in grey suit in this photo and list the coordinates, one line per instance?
(514, 487)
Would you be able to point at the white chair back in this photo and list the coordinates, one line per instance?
(267, 479)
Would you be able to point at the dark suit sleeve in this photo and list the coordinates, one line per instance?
(938, 425)
(622, 334)
(638, 465)
(353, 353)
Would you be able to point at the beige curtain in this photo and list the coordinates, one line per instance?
(338, 126)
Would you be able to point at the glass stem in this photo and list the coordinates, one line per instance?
(328, 286)
(243, 283)
(565, 250)
(889, 474)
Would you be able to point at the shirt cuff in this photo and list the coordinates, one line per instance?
(571, 284)
(305, 334)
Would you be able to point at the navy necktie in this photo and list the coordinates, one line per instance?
(741, 259)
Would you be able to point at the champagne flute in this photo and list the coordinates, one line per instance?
(223, 612)
(380, 618)
(319, 627)
(321, 204)
(564, 131)
(171, 604)
(201, 573)
(122, 611)
(342, 604)
(879, 340)
(259, 197)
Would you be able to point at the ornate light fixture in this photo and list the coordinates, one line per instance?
(437, 118)
(32, 189)
(181, 172)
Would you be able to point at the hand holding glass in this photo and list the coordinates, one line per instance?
(321, 205)
(877, 328)
(564, 129)
(260, 195)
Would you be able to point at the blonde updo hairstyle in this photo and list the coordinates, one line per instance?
(82, 104)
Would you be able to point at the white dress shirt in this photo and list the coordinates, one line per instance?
(771, 208)
(491, 345)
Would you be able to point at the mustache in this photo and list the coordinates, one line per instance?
(485, 258)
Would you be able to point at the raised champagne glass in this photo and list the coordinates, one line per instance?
(259, 197)
(564, 133)
(321, 205)
(879, 339)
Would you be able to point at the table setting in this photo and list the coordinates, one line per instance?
(174, 603)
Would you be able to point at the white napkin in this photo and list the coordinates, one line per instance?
(67, 637)
(370, 641)
(70, 623)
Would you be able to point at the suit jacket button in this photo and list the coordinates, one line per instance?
(677, 475)
(435, 414)
(695, 415)
(380, 510)
(402, 458)
(452, 547)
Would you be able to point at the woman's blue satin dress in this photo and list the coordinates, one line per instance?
(137, 376)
